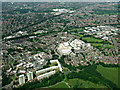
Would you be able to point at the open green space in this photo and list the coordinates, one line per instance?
(76, 29)
(79, 83)
(91, 40)
(59, 85)
(110, 73)
(100, 46)
(102, 12)
(91, 74)
(80, 35)
(95, 42)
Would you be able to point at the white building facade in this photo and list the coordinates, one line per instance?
(46, 75)
(21, 79)
(30, 76)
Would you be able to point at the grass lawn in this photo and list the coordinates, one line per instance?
(100, 45)
(110, 73)
(59, 85)
(95, 42)
(83, 84)
(80, 35)
(91, 39)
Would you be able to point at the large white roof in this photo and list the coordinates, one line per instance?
(66, 51)
(46, 74)
(21, 75)
(76, 43)
(66, 43)
(47, 69)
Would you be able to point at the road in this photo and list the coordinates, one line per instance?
(67, 84)
(59, 83)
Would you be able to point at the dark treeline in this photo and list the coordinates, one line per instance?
(108, 65)
(5, 80)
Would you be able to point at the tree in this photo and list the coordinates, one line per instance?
(5, 80)
(52, 52)
(55, 56)
(72, 50)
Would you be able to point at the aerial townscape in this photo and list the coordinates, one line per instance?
(60, 45)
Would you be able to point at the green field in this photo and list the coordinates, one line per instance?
(79, 83)
(91, 40)
(97, 76)
(76, 30)
(83, 84)
(100, 45)
(95, 42)
(80, 35)
(59, 85)
(110, 73)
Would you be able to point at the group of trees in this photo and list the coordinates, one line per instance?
(70, 67)
(52, 52)
(36, 50)
(109, 65)
(5, 79)
(81, 66)
(55, 56)
(48, 64)
(10, 50)
(15, 63)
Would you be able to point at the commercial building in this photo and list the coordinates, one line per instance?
(19, 65)
(47, 69)
(64, 48)
(21, 79)
(39, 55)
(30, 75)
(21, 71)
(76, 44)
(46, 75)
